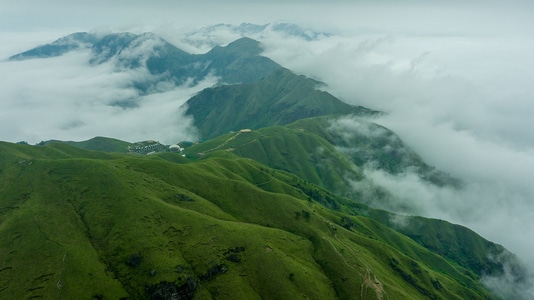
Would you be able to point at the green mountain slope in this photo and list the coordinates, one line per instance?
(299, 152)
(278, 99)
(98, 144)
(239, 62)
(81, 224)
(369, 144)
(328, 153)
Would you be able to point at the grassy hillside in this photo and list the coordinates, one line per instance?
(329, 153)
(278, 99)
(239, 62)
(302, 153)
(99, 144)
(364, 142)
(77, 224)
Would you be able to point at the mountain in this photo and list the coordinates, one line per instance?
(238, 62)
(82, 224)
(103, 47)
(368, 144)
(278, 99)
(263, 207)
(291, 29)
(210, 36)
(333, 153)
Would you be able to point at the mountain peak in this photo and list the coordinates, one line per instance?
(280, 98)
(244, 46)
(237, 62)
(58, 47)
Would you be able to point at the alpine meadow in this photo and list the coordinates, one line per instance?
(254, 150)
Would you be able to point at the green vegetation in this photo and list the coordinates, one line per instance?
(278, 99)
(81, 224)
(99, 144)
(239, 62)
(365, 142)
(262, 209)
(324, 151)
(302, 153)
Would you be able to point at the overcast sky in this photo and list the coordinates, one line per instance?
(454, 76)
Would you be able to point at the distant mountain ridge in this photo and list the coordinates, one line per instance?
(273, 95)
(250, 29)
(238, 62)
(253, 91)
(164, 57)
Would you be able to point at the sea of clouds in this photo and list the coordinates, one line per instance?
(454, 79)
(68, 98)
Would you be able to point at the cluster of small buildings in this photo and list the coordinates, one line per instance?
(151, 147)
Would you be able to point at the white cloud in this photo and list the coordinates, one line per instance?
(66, 98)
(507, 286)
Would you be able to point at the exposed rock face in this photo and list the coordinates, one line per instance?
(214, 271)
(232, 254)
(170, 291)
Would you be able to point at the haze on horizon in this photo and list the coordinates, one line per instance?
(455, 79)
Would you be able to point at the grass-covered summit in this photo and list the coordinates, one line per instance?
(278, 99)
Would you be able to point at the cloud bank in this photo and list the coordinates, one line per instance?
(463, 103)
(67, 98)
